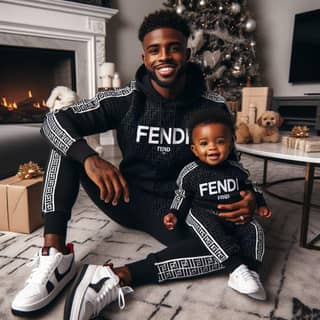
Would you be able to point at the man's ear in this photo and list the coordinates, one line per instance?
(142, 57)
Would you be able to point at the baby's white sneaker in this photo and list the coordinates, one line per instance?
(243, 281)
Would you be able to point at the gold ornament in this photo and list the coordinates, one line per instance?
(29, 170)
(299, 132)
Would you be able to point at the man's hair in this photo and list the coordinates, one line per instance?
(163, 19)
(208, 116)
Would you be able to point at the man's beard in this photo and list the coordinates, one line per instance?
(167, 84)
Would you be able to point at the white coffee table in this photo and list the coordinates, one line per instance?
(279, 152)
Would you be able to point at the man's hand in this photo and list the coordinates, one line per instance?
(239, 212)
(170, 220)
(108, 178)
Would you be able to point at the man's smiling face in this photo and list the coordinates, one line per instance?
(165, 55)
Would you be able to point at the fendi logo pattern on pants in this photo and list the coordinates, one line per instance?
(207, 239)
(187, 267)
(50, 182)
(259, 249)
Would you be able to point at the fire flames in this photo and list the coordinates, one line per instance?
(11, 106)
(27, 110)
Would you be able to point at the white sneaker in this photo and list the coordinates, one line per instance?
(261, 293)
(51, 272)
(242, 280)
(94, 288)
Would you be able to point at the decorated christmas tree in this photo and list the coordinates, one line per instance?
(222, 42)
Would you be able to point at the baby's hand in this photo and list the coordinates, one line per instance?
(170, 220)
(264, 212)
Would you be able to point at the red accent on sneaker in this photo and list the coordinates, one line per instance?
(45, 251)
(69, 246)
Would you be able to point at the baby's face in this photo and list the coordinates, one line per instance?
(211, 143)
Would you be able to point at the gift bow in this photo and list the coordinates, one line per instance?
(29, 170)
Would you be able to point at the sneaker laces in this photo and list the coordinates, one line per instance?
(245, 273)
(41, 268)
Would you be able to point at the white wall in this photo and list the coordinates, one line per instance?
(123, 46)
(275, 22)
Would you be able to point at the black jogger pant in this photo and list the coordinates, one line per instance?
(185, 255)
(231, 244)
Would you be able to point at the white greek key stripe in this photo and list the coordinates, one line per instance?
(50, 182)
(94, 103)
(207, 239)
(260, 245)
(56, 134)
(187, 267)
(180, 193)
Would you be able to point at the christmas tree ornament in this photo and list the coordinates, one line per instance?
(180, 8)
(211, 59)
(196, 41)
(220, 8)
(250, 25)
(202, 3)
(235, 8)
(227, 56)
(238, 69)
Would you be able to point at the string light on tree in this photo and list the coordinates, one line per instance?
(180, 7)
(222, 42)
(235, 8)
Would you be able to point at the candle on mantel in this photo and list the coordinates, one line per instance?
(107, 69)
(106, 74)
(106, 82)
(116, 82)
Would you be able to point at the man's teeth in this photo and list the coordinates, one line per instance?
(166, 69)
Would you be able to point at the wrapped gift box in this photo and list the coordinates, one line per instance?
(310, 144)
(20, 204)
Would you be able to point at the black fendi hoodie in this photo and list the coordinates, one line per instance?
(151, 130)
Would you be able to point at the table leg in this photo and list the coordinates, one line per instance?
(308, 186)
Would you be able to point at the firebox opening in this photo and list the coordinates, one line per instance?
(27, 77)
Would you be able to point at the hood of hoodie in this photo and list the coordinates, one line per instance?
(194, 88)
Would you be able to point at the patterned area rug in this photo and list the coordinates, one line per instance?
(290, 273)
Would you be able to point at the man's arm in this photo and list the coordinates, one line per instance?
(65, 129)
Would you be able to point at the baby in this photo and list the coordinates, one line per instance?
(215, 179)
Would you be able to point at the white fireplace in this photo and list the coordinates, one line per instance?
(60, 25)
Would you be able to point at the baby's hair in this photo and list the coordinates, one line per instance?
(163, 19)
(209, 116)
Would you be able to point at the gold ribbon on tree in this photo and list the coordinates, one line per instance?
(29, 170)
(300, 132)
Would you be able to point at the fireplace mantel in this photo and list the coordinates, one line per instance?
(58, 24)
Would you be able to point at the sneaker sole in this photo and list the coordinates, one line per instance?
(80, 285)
(42, 304)
(258, 296)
